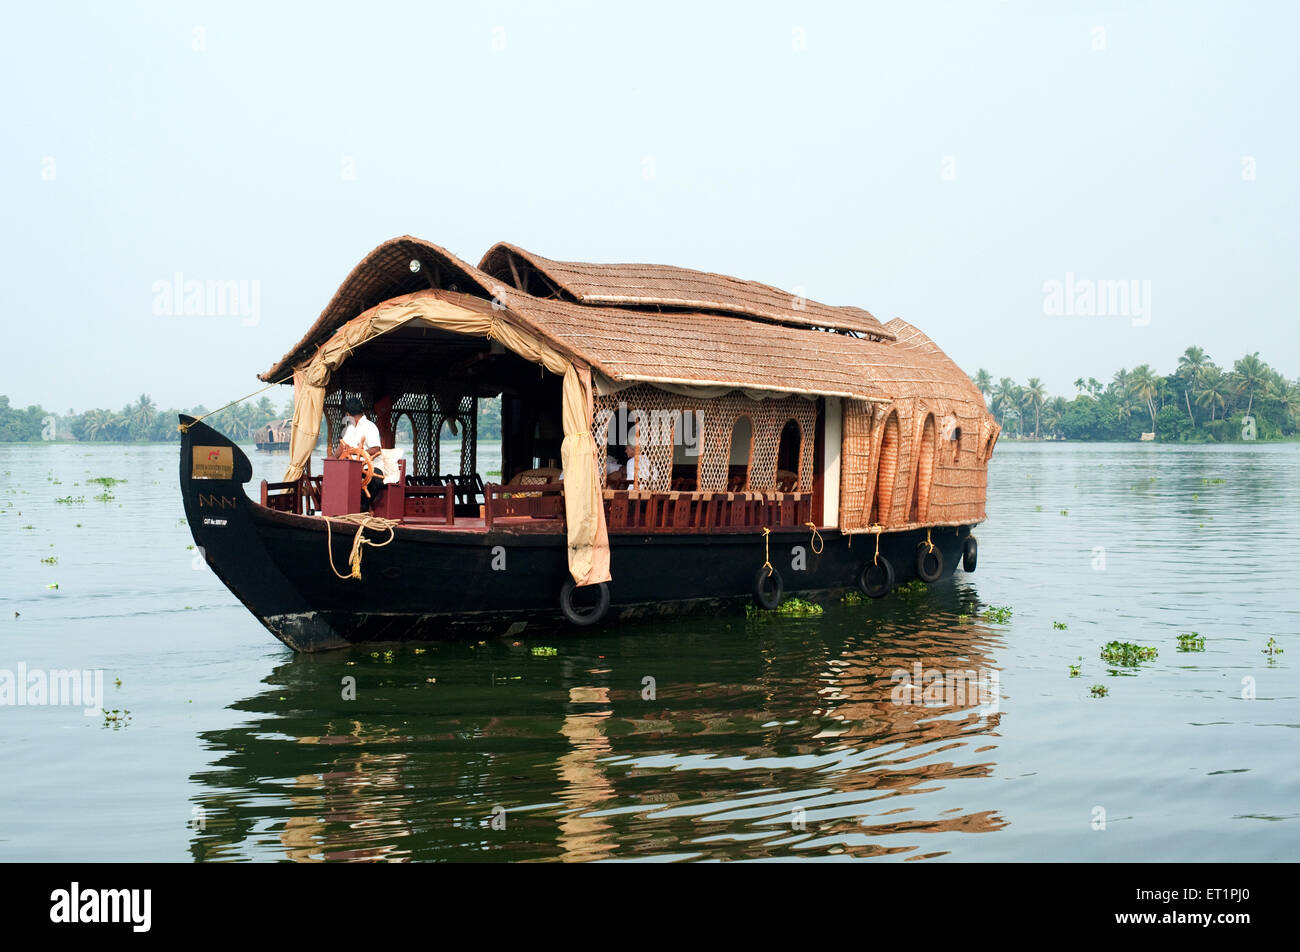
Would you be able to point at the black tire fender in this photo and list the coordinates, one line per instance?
(768, 588)
(929, 562)
(876, 578)
(970, 552)
(582, 617)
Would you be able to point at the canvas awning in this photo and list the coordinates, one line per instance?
(461, 314)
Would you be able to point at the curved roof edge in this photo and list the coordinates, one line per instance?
(658, 285)
(383, 274)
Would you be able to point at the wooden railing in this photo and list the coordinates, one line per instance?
(640, 511)
(416, 500)
(301, 496)
(537, 501)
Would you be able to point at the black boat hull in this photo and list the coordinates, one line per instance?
(430, 584)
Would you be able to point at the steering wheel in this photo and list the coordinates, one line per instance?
(356, 452)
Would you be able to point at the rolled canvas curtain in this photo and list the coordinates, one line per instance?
(584, 509)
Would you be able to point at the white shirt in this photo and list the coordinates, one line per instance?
(648, 475)
(364, 435)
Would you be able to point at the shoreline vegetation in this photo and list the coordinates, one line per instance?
(143, 422)
(1200, 402)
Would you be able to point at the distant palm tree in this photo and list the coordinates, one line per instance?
(140, 417)
(1080, 384)
(983, 382)
(98, 424)
(1053, 414)
(1249, 375)
(1144, 385)
(1191, 369)
(1035, 394)
(1004, 398)
(1214, 392)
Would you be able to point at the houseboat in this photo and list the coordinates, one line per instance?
(274, 437)
(672, 440)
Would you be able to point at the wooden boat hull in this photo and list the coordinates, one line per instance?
(436, 583)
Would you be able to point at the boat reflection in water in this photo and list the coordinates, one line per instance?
(723, 738)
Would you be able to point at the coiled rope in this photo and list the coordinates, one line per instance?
(362, 521)
(815, 543)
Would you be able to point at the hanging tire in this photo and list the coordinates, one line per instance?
(876, 578)
(970, 552)
(584, 615)
(768, 588)
(929, 562)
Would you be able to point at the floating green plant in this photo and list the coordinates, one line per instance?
(543, 651)
(998, 614)
(117, 719)
(50, 560)
(1127, 654)
(1273, 648)
(1038, 509)
(54, 586)
(797, 606)
(385, 656)
(421, 650)
(70, 500)
(1076, 668)
(1065, 512)
(108, 482)
(851, 598)
(963, 619)
(1060, 625)
(1191, 641)
(1099, 690)
(105, 497)
(913, 587)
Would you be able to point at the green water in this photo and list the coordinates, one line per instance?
(755, 739)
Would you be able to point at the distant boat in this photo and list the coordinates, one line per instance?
(672, 441)
(274, 436)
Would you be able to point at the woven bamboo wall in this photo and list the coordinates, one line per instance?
(945, 486)
(716, 419)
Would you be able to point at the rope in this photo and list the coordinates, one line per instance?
(928, 542)
(816, 539)
(878, 529)
(362, 521)
(767, 551)
(184, 427)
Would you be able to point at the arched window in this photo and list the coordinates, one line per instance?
(919, 509)
(789, 457)
(882, 505)
(741, 454)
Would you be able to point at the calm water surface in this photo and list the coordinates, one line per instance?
(772, 738)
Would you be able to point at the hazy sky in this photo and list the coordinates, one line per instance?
(935, 162)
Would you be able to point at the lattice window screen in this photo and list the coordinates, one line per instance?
(657, 409)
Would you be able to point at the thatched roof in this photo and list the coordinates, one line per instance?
(666, 286)
(708, 346)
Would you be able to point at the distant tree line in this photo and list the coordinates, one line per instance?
(1199, 402)
(143, 422)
